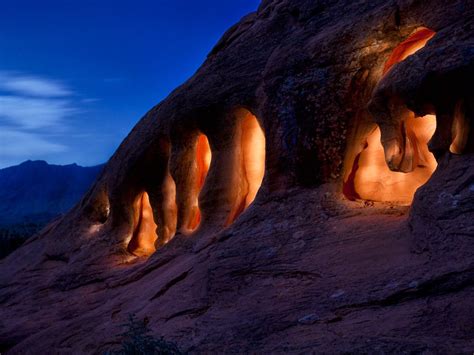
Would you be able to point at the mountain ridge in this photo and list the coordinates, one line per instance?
(36, 192)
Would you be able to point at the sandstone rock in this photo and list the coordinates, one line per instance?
(238, 280)
(309, 319)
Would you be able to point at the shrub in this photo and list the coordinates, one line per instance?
(137, 340)
(13, 236)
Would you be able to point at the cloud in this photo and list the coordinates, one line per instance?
(17, 143)
(31, 109)
(26, 85)
(90, 100)
(33, 113)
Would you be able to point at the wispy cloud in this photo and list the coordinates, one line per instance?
(27, 85)
(31, 108)
(33, 113)
(17, 144)
(90, 100)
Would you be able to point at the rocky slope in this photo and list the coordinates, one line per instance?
(302, 269)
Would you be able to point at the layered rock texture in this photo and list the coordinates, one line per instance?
(175, 231)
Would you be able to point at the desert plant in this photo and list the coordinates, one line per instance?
(137, 340)
(13, 236)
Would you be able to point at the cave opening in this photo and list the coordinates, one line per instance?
(369, 176)
(144, 235)
(249, 162)
(461, 128)
(175, 204)
(155, 220)
(203, 159)
(168, 211)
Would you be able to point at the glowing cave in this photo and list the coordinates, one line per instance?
(249, 162)
(460, 129)
(371, 178)
(144, 234)
(176, 206)
(202, 163)
(168, 212)
(380, 175)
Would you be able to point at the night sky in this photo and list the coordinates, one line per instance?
(76, 76)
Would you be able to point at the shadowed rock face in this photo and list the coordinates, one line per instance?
(301, 268)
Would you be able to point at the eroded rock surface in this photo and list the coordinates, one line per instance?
(301, 268)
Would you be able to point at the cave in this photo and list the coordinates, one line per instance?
(155, 222)
(371, 178)
(144, 235)
(177, 205)
(461, 131)
(203, 158)
(386, 174)
(249, 162)
(169, 211)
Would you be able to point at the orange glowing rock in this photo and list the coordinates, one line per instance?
(408, 47)
(144, 234)
(203, 161)
(460, 130)
(169, 208)
(370, 177)
(250, 149)
(374, 181)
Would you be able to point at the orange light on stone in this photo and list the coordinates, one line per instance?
(408, 47)
(370, 177)
(203, 159)
(250, 151)
(460, 130)
(203, 162)
(253, 151)
(374, 181)
(144, 234)
(169, 207)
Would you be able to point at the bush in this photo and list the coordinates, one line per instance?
(137, 340)
(13, 236)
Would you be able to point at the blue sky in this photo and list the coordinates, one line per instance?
(76, 76)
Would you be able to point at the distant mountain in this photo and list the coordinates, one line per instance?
(36, 192)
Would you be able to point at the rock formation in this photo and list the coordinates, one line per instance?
(179, 230)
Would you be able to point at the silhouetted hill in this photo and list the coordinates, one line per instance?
(36, 192)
